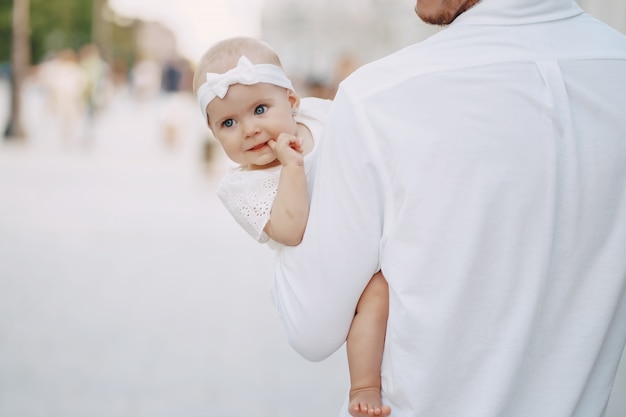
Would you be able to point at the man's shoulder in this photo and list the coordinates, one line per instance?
(461, 46)
(391, 70)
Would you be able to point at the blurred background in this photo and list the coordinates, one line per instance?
(125, 288)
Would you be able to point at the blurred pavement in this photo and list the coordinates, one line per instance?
(127, 290)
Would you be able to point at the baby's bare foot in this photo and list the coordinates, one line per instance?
(366, 403)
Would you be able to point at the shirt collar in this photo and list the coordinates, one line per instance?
(518, 12)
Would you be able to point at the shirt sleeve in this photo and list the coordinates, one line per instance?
(317, 284)
(248, 197)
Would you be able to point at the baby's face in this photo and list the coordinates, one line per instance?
(248, 117)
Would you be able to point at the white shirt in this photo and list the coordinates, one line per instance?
(484, 170)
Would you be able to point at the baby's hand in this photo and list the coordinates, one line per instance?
(288, 149)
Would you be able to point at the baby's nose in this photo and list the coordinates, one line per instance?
(250, 128)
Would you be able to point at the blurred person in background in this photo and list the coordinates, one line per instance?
(177, 102)
(484, 172)
(98, 78)
(145, 79)
(345, 65)
(64, 84)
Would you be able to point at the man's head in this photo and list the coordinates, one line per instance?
(442, 12)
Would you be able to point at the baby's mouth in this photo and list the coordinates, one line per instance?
(259, 146)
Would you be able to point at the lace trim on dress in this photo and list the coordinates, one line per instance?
(248, 196)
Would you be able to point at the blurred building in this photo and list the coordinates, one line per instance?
(612, 12)
(314, 38)
(155, 41)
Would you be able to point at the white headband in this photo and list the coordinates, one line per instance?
(245, 72)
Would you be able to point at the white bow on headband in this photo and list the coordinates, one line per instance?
(246, 73)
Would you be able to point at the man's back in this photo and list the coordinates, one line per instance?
(492, 166)
(508, 236)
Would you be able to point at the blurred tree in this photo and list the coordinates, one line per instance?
(58, 25)
(20, 61)
(70, 24)
(53, 25)
(100, 29)
(6, 7)
(32, 29)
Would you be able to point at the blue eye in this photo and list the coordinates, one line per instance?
(228, 123)
(260, 109)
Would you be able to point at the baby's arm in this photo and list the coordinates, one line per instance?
(290, 209)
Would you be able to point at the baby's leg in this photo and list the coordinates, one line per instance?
(365, 345)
